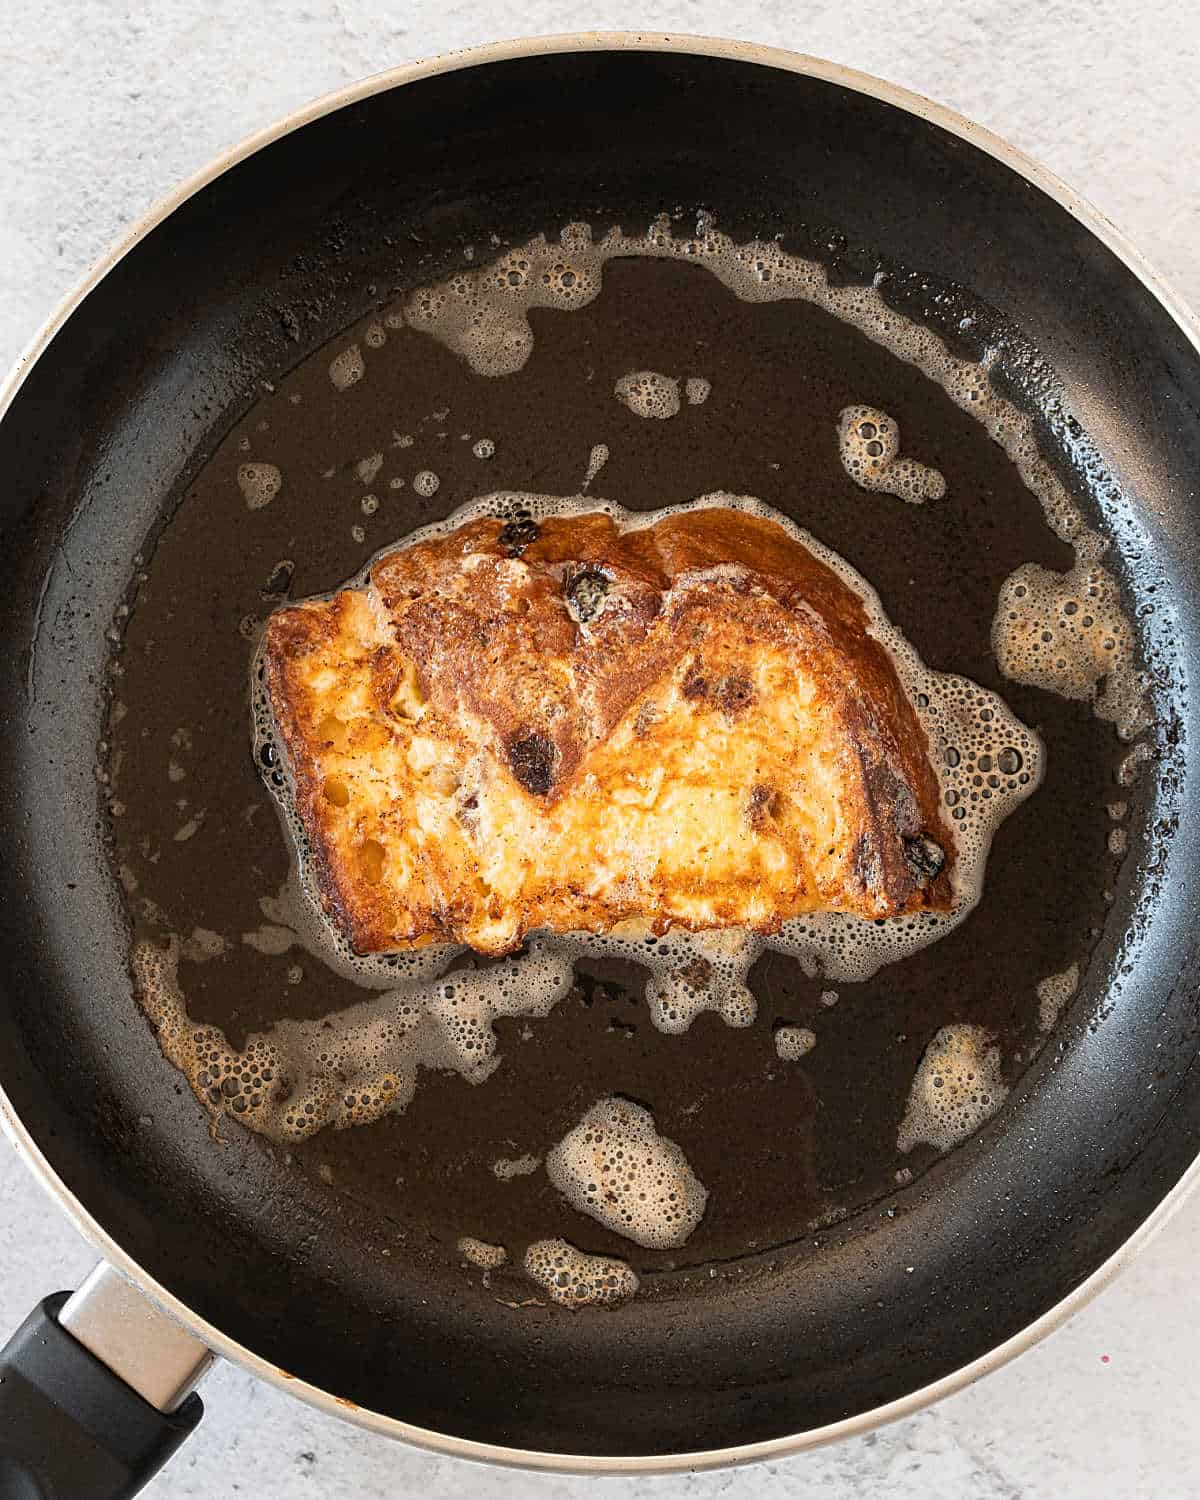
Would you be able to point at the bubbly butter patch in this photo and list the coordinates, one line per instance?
(347, 368)
(575, 1279)
(356, 1065)
(648, 394)
(259, 484)
(505, 1168)
(958, 1087)
(479, 1253)
(1053, 992)
(616, 1167)
(698, 390)
(1068, 633)
(869, 444)
(794, 1042)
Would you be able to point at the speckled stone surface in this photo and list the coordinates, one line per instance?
(105, 105)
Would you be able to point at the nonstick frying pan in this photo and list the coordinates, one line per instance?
(224, 1246)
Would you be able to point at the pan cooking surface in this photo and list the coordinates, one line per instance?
(354, 1284)
(783, 1148)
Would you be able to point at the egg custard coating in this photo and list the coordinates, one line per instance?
(571, 725)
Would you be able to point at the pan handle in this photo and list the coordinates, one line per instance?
(95, 1394)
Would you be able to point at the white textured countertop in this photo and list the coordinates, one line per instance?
(105, 104)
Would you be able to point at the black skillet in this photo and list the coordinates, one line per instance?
(823, 1294)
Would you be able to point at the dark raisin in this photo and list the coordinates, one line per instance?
(518, 535)
(585, 594)
(924, 856)
(531, 757)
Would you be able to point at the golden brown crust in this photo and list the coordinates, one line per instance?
(519, 726)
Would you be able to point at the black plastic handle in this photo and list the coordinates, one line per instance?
(69, 1428)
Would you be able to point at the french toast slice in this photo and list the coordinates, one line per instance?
(566, 725)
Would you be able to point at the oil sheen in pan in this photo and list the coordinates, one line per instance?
(378, 410)
(364, 1062)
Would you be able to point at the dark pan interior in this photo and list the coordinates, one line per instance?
(112, 426)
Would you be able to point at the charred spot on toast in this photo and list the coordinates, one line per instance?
(924, 856)
(518, 534)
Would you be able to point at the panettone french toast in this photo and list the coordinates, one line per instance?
(564, 724)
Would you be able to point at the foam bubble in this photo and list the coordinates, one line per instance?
(267, 939)
(648, 394)
(958, 1087)
(616, 1167)
(204, 944)
(356, 1065)
(697, 390)
(346, 368)
(484, 448)
(574, 1279)
(479, 1253)
(794, 1042)
(259, 484)
(1067, 633)
(1053, 992)
(597, 458)
(426, 483)
(368, 468)
(689, 972)
(869, 444)
(505, 1168)
(1130, 769)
